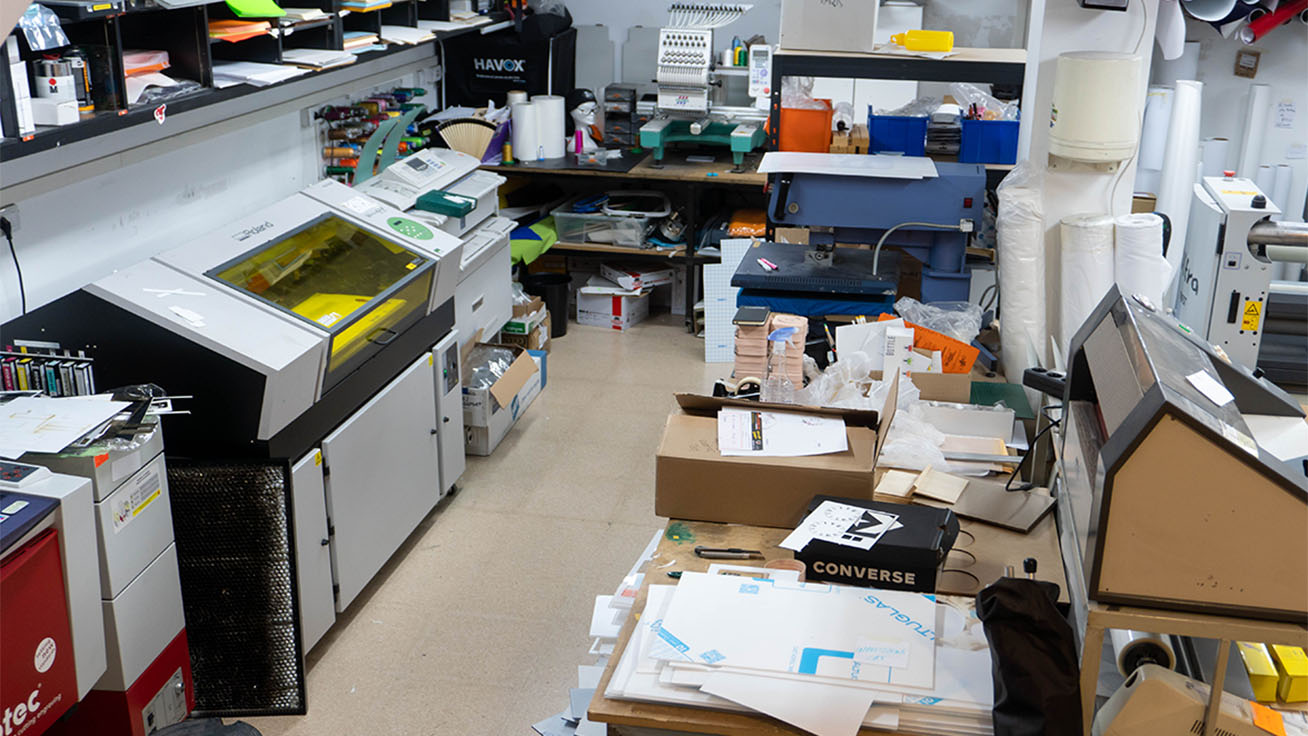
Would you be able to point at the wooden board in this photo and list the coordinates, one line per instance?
(602, 248)
(675, 168)
(993, 547)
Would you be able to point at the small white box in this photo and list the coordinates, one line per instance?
(636, 278)
(47, 111)
(821, 25)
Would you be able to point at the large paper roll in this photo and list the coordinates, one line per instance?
(1153, 140)
(1180, 165)
(1255, 129)
(1265, 180)
(1186, 66)
(1209, 10)
(1136, 648)
(526, 132)
(1281, 189)
(515, 96)
(1020, 233)
(1138, 263)
(1214, 156)
(553, 131)
(1086, 250)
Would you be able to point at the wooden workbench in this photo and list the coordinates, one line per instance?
(994, 548)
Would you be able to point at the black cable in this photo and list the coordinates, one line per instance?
(1008, 486)
(8, 230)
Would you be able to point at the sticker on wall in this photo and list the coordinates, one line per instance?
(160, 113)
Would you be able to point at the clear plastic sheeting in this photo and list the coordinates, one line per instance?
(987, 106)
(486, 365)
(959, 320)
(797, 94)
(919, 108)
(1020, 229)
(848, 384)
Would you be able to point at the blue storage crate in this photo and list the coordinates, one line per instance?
(894, 133)
(988, 142)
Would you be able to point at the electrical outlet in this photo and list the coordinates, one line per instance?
(10, 213)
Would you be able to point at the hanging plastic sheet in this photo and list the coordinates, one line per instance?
(1020, 230)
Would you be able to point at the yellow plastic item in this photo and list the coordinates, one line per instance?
(918, 40)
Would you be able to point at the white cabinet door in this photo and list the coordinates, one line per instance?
(449, 409)
(383, 476)
(313, 560)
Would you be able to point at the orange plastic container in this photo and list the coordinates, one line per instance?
(806, 131)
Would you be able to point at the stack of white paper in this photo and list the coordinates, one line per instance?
(405, 35)
(318, 58)
(828, 659)
(228, 73)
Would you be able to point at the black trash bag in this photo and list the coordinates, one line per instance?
(1033, 659)
(208, 727)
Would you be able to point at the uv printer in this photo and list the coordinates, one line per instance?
(315, 340)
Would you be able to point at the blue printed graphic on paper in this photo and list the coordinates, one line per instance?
(712, 656)
(751, 588)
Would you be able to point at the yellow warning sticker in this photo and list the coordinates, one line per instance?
(1246, 192)
(1253, 312)
(317, 458)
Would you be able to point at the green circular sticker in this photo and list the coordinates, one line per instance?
(409, 228)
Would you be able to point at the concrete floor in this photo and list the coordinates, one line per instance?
(478, 623)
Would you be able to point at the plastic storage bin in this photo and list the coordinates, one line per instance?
(895, 133)
(804, 130)
(597, 227)
(988, 142)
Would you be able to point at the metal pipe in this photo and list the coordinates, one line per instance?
(1279, 233)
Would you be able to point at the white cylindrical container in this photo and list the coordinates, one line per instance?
(526, 135)
(1180, 169)
(1020, 232)
(1153, 140)
(1280, 195)
(1209, 10)
(515, 97)
(1086, 257)
(1255, 130)
(1096, 110)
(1265, 180)
(549, 119)
(1136, 648)
(1214, 156)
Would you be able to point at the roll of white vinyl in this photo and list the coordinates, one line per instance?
(1086, 250)
(1208, 9)
(1281, 189)
(1214, 156)
(515, 96)
(553, 131)
(1138, 263)
(1180, 166)
(1153, 140)
(1136, 648)
(1265, 179)
(1020, 232)
(526, 135)
(1255, 129)
(1184, 67)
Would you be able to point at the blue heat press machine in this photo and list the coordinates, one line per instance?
(929, 218)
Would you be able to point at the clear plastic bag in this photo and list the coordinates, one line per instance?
(959, 320)
(1020, 233)
(987, 105)
(848, 384)
(843, 116)
(919, 108)
(487, 364)
(797, 93)
(912, 443)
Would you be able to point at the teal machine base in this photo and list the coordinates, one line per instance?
(741, 138)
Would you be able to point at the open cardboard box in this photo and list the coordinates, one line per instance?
(693, 480)
(489, 413)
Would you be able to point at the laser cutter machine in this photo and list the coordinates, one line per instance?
(686, 78)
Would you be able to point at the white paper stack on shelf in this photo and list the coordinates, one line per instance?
(317, 58)
(228, 73)
(825, 658)
(405, 35)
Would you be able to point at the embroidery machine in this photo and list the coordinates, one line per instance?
(686, 72)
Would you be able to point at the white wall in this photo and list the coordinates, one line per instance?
(84, 231)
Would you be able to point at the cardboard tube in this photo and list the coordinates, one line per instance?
(1180, 165)
(1255, 129)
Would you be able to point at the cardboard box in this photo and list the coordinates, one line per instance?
(821, 25)
(637, 278)
(525, 317)
(906, 558)
(537, 339)
(1291, 673)
(1262, 673)
(692, 480)
(955, 387)
(489, 413)
(602, 303)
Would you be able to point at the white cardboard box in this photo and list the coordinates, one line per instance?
(603, 307)
(637, 278)
(489, 413)
(822, 25)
